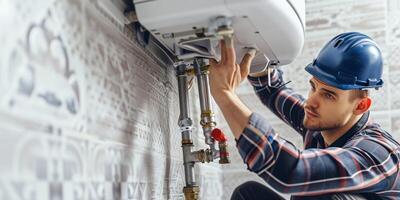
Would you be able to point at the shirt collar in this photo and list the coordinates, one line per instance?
(350, 133)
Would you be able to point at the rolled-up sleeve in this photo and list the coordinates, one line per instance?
(284, 102)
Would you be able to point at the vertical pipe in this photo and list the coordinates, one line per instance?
(207, 117)
(185, 123)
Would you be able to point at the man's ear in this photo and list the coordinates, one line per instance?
(363, 105)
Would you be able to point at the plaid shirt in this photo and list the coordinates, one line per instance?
(364, 160)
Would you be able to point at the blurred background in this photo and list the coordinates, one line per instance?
(325, 19)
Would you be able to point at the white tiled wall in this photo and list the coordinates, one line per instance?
(85, 112)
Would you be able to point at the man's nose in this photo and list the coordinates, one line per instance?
(312, 100)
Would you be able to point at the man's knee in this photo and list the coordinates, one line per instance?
(238, 193)
(246, 186)
(338, 196)
(254, 190)
(348, 197)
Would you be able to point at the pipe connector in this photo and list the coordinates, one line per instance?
(223, 153)
(204, 69)
(207, 119)
(185, 124)
(203, 155)
(219, 136)
(221, 25)
(191, 192)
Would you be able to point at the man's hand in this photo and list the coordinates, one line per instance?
(226, 75)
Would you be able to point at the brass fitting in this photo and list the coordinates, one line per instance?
(208, 114)
(203, 69)
(191, 192)
(223, 153)
(190, 72)
(207, 124)
(185, 142)
(200, 155)
(204, 155)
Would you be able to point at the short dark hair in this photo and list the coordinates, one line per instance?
(359, 94)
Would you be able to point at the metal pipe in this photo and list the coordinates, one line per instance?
(191, 190)
(207, 116)
(202, 79)
(183, 93)
(185, 124)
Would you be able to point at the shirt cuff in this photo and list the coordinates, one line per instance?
(263, 80)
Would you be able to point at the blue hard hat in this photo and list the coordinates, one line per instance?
(349, 61)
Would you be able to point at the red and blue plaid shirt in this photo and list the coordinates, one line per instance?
(364, 160)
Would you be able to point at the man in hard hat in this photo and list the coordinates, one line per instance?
(346, 155)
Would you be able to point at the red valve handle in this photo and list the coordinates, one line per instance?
(217, 134)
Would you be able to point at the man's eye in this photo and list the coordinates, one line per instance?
(329, 96)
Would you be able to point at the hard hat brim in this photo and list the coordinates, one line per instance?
(331, 80)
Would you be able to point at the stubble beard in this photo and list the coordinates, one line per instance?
(319, 126)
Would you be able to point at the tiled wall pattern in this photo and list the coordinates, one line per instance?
(85, 112)
(324, 19)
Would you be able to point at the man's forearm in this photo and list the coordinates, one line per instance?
(235, 112)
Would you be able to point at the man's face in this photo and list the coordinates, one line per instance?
(327, 107)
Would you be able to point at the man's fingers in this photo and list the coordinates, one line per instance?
(230, 52)
(223, 51)
(246, 62)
